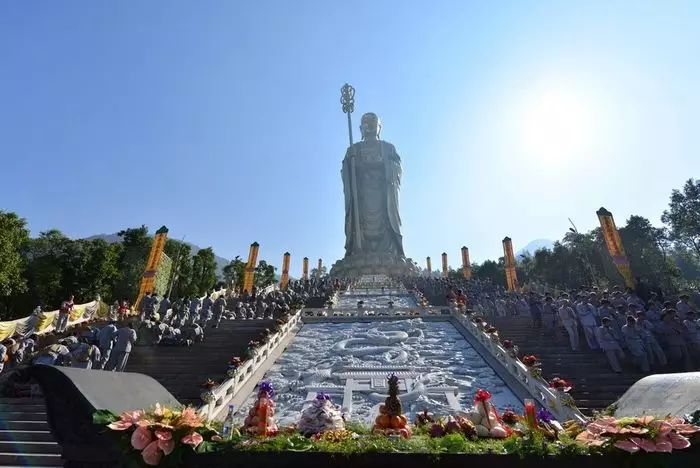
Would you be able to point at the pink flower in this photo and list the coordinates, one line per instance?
(141, 438)
(678, 441)
(144, 423)
(663, 444)
(131, 416)
(164, 435)
(152, 454)
(158, 411)
(627, 446)
(193, 439)
(167, 446)
(216, 438)
(120, 425)
(646, 445)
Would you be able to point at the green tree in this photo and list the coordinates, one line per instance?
(47, 265)
(136, 245)
(14, 238)
(181, 254)
(490, 270)
(647, 259)
(203, 272)
(234, 272)
(683, 216)
(265, 274)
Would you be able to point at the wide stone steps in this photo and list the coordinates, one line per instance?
(595, 385)
(181, 369)
(25, 439)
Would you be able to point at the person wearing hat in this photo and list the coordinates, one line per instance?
(609, 345)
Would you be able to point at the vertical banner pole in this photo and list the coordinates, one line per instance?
(615, 247)
(149, 274)
(284, 280)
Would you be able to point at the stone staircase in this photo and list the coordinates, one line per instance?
(596, 386)
(181, 369)
(25, 439)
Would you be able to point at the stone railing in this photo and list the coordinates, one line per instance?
(231, 386)
(378, 312)
(560, 404)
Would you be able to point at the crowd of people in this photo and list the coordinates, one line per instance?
(156, 321)
(644, 326)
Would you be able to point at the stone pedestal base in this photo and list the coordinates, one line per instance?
(358, 265)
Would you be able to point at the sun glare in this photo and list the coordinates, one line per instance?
(556, 125)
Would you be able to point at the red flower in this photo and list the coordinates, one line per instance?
(560, 384)
(507, 344)
(482, 395)
(531, 360)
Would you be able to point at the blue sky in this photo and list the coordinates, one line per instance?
(221, 120)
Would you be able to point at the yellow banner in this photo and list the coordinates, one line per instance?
(466, 265)
(429, 265)
(615, 246)
(444, 265)
(7, 329)
(149, 274)
(249, 277)
(284, 280)
(305, 269)
(509, 257)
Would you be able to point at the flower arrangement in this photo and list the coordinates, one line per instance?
(233, 364)
(530, 360)
(165, 435)
(533, 364)
(160, 433)
(560, 384)
(646, 434)
(207, 394)
(510, 348)
(510, 417)
(423, 418)
(251, 349)
(490, 329)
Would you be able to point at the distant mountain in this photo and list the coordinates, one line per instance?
(534, 246)
(221, 262)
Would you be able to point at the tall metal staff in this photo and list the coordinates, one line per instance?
(347, 99)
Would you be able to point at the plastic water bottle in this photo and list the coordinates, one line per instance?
(228, 424)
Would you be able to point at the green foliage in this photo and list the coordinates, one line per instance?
(683, 216)
(181, 254)
(490, 270)
(103, 417)
(203, 276)
(14, 237)
(264, 274)
(234, 272)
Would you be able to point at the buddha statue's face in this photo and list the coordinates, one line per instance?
(370, 126)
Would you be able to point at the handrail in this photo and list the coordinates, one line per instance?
(231, 386)
(559, 403)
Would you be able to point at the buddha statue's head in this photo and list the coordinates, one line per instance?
(370, 126)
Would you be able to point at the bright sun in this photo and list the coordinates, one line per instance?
(556, 125)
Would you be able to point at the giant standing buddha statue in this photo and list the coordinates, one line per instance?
(371, 176)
